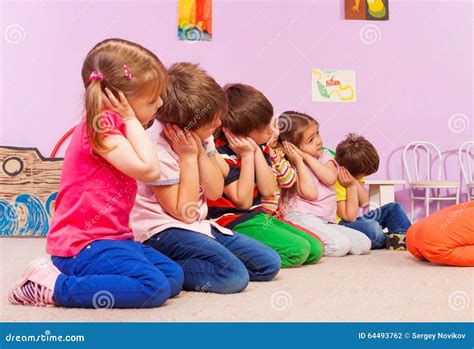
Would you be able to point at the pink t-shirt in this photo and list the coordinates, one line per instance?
(325, 206)
(148, 217)
(94, 199)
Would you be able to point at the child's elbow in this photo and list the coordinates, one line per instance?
(150, 173)
(348, 218)
(185, 216)
(267, 192)
(214, 196)
(309, 195)
(187, 220)
(243, 205)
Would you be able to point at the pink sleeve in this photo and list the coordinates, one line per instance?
(169, 168)
(326, 156)
(109, 123)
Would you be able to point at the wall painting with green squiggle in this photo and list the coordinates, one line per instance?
(332, 85)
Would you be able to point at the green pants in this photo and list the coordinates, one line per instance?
(294, 246)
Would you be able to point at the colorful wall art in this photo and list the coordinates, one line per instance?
(376, 10)
(331, 85)
(30, 184)
(195, 20)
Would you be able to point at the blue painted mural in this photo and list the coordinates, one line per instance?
(29, 186)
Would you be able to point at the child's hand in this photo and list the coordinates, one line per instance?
(255, 146)
(121, 107)
(239, 145)
(182, 142)
(199, 144)
(292, 152)
(271, 151)
(273, 141)
(345, 178)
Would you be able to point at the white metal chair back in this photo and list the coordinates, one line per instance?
(432, 155)
(466, 155)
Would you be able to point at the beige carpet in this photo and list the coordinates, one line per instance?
(381, 286)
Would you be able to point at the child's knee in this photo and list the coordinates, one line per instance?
(375, 234)
(269, 266)
(395, 207)
(296, 254)
(338, 246)
(176, 281)
(316, 252)
(411, 242)
(157, 290)
(231, 280)
(361, 246)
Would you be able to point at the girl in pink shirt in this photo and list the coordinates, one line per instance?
(96, 261)
(314, 208)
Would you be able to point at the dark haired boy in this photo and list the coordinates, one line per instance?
(358, 158)
(246, 129)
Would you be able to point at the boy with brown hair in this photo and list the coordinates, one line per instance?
(246, 129)
(358, 158)
(170, 213)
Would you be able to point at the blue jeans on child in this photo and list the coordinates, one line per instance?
(116, 273)
(221, 265)
(391, 216)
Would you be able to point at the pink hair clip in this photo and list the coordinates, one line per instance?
(96, 76)
(127, 72)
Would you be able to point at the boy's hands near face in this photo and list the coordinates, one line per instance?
(197, 139)
(239, 145)
(255, 146)
(182, 142)
(345, 178)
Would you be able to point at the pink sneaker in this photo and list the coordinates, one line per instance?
(36, 286)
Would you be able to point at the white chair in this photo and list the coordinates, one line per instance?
(466, 154)
(427, 182)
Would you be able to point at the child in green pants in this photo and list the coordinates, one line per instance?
(246, 128)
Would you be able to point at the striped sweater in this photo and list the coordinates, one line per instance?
(286, 178)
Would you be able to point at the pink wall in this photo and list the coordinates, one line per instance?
(410, 81)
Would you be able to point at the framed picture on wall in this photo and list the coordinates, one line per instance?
(195, 20)
(333, 85)
(374, 10)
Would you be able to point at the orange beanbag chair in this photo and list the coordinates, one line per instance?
(445, 237)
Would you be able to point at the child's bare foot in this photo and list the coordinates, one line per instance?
(36, 286)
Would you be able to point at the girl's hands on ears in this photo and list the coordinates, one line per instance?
(292, 152)
(120, 106)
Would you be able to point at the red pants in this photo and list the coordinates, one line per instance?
(445, 237)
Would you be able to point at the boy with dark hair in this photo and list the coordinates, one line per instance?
(246, 129)
(358, 158)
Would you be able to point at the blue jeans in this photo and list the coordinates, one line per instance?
(221, 265)
(391, 216)
(116, 273)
